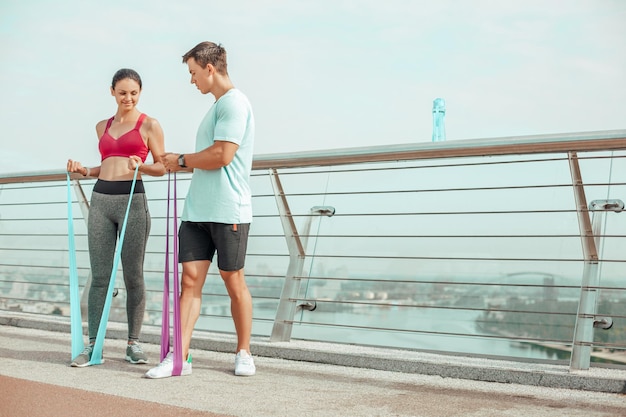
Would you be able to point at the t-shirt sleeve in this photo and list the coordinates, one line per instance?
(232, 119)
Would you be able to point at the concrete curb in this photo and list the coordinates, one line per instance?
(608, 380)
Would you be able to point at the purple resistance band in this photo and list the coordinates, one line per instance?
(165, 320)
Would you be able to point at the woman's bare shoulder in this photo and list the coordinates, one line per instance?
(100, 126)
(152, 124)
(150, 120)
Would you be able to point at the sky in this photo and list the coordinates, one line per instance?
(320, 75)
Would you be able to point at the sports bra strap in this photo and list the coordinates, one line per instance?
(106, 129)
(140, 120)
(142, 116)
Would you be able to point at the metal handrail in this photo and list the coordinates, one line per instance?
(514, 145)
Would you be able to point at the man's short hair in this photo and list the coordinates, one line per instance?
(206, 53)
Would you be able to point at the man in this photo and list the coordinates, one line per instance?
(218, 210)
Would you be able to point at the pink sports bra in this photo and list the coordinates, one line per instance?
(130, 143)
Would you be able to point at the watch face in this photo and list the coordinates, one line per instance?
(181, 160)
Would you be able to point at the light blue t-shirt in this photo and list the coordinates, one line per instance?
(223, 195)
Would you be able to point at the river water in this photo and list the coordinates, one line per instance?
(428, 329)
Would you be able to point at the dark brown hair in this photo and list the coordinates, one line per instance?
(123, 74)
(208, 53)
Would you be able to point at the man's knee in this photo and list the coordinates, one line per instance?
(194, 274)
(190, 280)
(232, 276)
(235, 282)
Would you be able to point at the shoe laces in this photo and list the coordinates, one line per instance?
(244, 358)
(135, 348)
(87, 350)
(166, 361)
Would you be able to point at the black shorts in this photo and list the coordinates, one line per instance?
(199, 241)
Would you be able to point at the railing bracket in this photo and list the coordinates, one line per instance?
(615, 205)
(604, 323)
(307, 305)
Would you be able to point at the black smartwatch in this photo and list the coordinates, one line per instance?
(181, 161)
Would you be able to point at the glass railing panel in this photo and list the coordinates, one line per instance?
(485, 227)
(33, 256)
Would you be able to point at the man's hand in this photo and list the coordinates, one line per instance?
(170, 162)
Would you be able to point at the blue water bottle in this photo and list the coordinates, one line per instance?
(439, 112)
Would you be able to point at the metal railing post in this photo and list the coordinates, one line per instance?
(583, 330)
(586, 319)
(283, 323)
(287, 305)
(590, 234)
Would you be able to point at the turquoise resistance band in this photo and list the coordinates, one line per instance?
(76, 321)
(96, 355)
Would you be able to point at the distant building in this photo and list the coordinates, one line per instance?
(550, 292)
(439, 113)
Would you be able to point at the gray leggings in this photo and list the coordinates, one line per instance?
(106, 217)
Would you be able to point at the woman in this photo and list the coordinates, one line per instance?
(124, 143)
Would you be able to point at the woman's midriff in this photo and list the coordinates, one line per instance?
(115, 168)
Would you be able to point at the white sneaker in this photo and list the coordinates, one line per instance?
(166, 367)
(244, 364)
